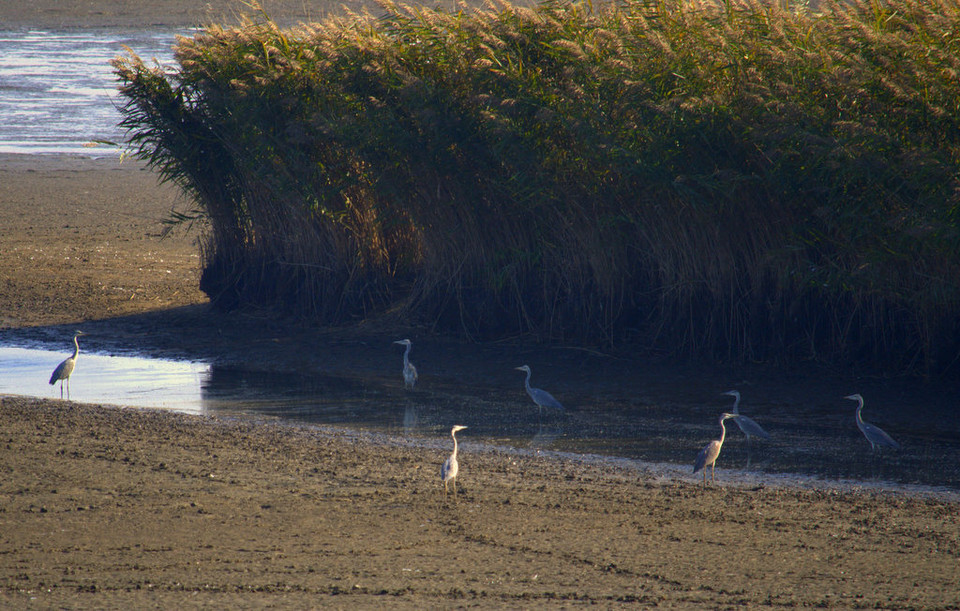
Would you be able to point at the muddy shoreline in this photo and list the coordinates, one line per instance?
(104, 511)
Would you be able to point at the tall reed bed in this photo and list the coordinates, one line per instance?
(715, 178)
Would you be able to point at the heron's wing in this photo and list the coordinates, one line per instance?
(707, 455)
(878, 436)
(62, 371)
(449, 469)
(542, 397)
(410, 374)
(749, 427)
(701, 460)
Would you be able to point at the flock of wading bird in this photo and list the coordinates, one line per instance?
(707, 456)
(450, 468)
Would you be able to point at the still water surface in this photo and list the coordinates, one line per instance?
(818, 442)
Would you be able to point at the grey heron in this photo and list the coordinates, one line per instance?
(450, 468)
(409, 371)
(541, 397)
(64, 369)
(708, 455)
(747, 425)
(875, 435)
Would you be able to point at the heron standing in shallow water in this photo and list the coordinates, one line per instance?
(409, 371)
(708, 455)
(747, 425)
(874, 434)
(450, 468)
(62, 372)
(541, 397)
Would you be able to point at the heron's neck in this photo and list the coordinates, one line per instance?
(736, 404)
(76, 349)
(859, 417)
(406, 354)
(527, 381)
(723, 432)
(454, 435)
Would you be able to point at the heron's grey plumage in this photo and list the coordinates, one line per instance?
(541, 397)
(450, 468)
(409, 371)
(65, 368)
(874, 434)
(708, 455)
(749, 427)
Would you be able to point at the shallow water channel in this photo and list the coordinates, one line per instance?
(809, 444)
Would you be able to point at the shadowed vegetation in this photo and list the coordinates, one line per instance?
(709, 178)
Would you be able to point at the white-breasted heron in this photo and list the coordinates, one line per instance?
(409, 371)
(708, 455)
(747, 425)
(541, 397)
(450, 468)
(64, 369)
(874, 434)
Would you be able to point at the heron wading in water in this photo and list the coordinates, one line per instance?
(747, 425)
(409, 371)
(64, 369)
(541, 397)
(708, 455)
(450, 468)
(874, 434)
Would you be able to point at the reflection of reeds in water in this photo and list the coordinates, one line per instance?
(711, 177)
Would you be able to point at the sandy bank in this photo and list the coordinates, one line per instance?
(121, 508)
